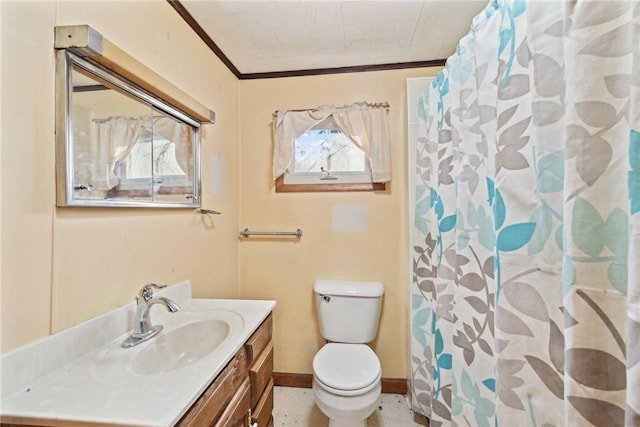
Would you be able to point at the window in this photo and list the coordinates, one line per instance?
(316, 153)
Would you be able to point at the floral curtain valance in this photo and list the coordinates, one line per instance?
(366, 124)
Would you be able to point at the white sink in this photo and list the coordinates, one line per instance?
(104, 384)
(189, 336)
(180, 347)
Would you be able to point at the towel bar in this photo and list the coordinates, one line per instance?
(247, 233)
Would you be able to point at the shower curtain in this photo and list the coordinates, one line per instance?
(526, 247)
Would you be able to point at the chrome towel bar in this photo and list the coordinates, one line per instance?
(246, 233)
(208, 211)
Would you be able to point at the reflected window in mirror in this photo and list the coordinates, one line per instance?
(121, 146)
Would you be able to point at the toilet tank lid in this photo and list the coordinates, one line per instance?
(348, 288)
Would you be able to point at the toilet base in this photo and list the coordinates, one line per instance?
(346, 411)
(334, 423)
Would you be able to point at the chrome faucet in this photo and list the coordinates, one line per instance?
(142, 328)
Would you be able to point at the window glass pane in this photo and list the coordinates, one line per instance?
(325, 147)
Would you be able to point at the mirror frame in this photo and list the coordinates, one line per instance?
(65, 62)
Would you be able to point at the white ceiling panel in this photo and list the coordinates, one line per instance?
(280, 36)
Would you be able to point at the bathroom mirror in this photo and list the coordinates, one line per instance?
(119, 145)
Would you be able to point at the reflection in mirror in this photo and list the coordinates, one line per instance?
(125, 147)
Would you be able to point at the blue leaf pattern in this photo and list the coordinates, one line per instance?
(634, 173)
(529, 240)
(515, 236)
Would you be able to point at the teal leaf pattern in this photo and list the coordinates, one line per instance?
(541, 217)
(551, 172)
(525, 278)
(447, 223)
(588, 231)
(515, 236)
(634, 173)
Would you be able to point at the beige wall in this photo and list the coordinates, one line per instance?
(61, 266)
(285, 269)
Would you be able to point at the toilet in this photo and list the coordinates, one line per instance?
(346, 371)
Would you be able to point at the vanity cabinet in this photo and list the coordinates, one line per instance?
(242, 394)
(102, 384)
(259, 350)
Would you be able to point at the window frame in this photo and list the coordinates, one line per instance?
(364, 184)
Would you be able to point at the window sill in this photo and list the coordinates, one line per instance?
(281, 187)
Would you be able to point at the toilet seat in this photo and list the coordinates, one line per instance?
(346, 367)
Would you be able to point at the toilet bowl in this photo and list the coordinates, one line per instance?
(346, 383)
(346, 372)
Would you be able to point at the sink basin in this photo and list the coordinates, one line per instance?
(197, 334)
(180, 347)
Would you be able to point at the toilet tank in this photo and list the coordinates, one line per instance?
(348, 311)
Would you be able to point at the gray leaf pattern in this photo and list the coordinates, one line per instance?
(598, 412)
(618, 85)
(514, 132)
(536, 335)
(556, 30)
(517, 86)
(526, 299)
(510, 158)
(545, 69)
(593, 148)
(506, 115)
(596, 369)
(596, 113)
(601, 12)
(556, 347)
(547, 375)
(615, 43)
(633, 346)
(511, 324)
(546, 113)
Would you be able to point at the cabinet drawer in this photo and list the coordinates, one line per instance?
(263, 409)
(215, 398)
(259, 339)
(260, 373)
(237, 412)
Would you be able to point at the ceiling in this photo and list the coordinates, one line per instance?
(267, 38)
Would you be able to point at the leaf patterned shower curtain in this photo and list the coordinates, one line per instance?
(526, 251)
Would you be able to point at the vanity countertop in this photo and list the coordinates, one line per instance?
(100, 387)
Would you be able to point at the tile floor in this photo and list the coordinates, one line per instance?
(295, 407)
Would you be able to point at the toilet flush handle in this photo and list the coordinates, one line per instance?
(327, 298)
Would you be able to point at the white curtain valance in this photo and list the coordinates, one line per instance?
(366, 124)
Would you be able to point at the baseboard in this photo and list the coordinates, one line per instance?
(286, 379)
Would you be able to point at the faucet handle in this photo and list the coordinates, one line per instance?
(146, 293)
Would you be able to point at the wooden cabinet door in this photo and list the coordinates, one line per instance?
(264, 408)
(238, 410)
(206, 410)
(260, 373)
